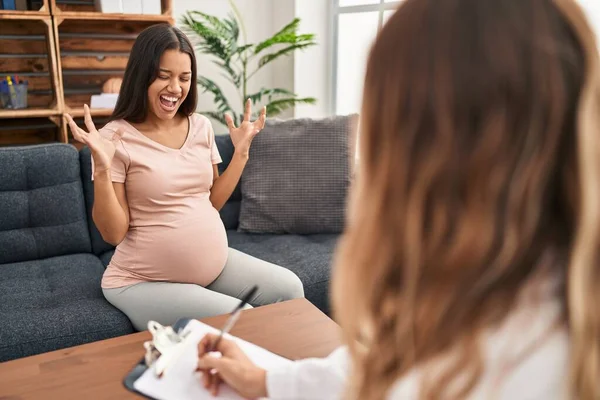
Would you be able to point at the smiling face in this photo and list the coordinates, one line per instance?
(172, 84)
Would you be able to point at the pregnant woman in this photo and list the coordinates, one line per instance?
(157, 192)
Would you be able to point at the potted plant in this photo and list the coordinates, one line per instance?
(240, 61)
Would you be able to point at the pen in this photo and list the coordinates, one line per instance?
(235, 315)
(12, 92)
(165, 360)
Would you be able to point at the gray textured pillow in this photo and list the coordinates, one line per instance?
(298, 175)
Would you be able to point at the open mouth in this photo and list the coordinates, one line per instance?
(169, 103)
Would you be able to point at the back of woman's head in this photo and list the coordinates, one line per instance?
(478, 157)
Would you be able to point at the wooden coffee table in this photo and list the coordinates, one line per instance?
(293, 329)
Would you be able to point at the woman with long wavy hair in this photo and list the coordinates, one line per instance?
(469, 265)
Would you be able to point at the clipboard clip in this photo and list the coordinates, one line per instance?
(164, 348)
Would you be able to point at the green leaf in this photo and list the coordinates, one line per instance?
(234, 27)
(277, 106)
(210, 42)
(217, 37)
(287, 50)
(220, 99)
(283, 36)
(215, 24)
(234, 76)
(269, 93)
(243, 48)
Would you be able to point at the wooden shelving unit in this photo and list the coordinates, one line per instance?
(43, 9)
(112, 17)
(66, 51)
(29, 130)
(82, 7)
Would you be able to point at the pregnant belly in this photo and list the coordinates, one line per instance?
(190, 251)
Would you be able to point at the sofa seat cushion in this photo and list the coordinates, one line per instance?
(54, 303)
(309, 256)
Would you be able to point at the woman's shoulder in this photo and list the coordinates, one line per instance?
(201, 129)
(200, 121)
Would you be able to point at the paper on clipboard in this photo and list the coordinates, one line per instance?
(181, 382)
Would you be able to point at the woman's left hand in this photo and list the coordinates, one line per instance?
(233, 368)
(243, 135)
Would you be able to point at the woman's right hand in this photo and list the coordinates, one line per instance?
(233, 368)
(103, 150)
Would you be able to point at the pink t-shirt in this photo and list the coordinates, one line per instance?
(175, 234)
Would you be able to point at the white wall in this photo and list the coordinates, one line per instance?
(312, 67)
(592, 9)
(282, 74)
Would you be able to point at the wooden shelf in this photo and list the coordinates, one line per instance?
(88, 7)
(87, 11)
(8, 14)
(30, 130)
(25, 15)
(28, 112)
(44, 11)
(96, 112)
(96, 16)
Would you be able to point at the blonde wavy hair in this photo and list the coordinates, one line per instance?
(479, 153)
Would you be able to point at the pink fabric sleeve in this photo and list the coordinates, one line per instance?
(121, 160)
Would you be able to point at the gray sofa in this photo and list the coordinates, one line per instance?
(52, 257)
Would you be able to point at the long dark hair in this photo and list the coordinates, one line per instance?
(479, 157)
(142, 70)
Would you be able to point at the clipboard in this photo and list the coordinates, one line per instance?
(141, 366)
(179, 383)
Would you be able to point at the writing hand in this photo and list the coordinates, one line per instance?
(233, 367)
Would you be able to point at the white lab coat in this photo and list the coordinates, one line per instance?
(540, 375)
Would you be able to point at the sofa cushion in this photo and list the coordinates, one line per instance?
(297, 177)
(98, 244)
(226, 149)
(55, 303)
(308, 256)
(43, 211)
(106, 257)
(230, 213)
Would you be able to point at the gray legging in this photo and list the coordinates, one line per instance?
(166, 302)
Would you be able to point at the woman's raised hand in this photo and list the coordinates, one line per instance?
(243, 135)
(103, 150)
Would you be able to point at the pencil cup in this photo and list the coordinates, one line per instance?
(13, 96)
